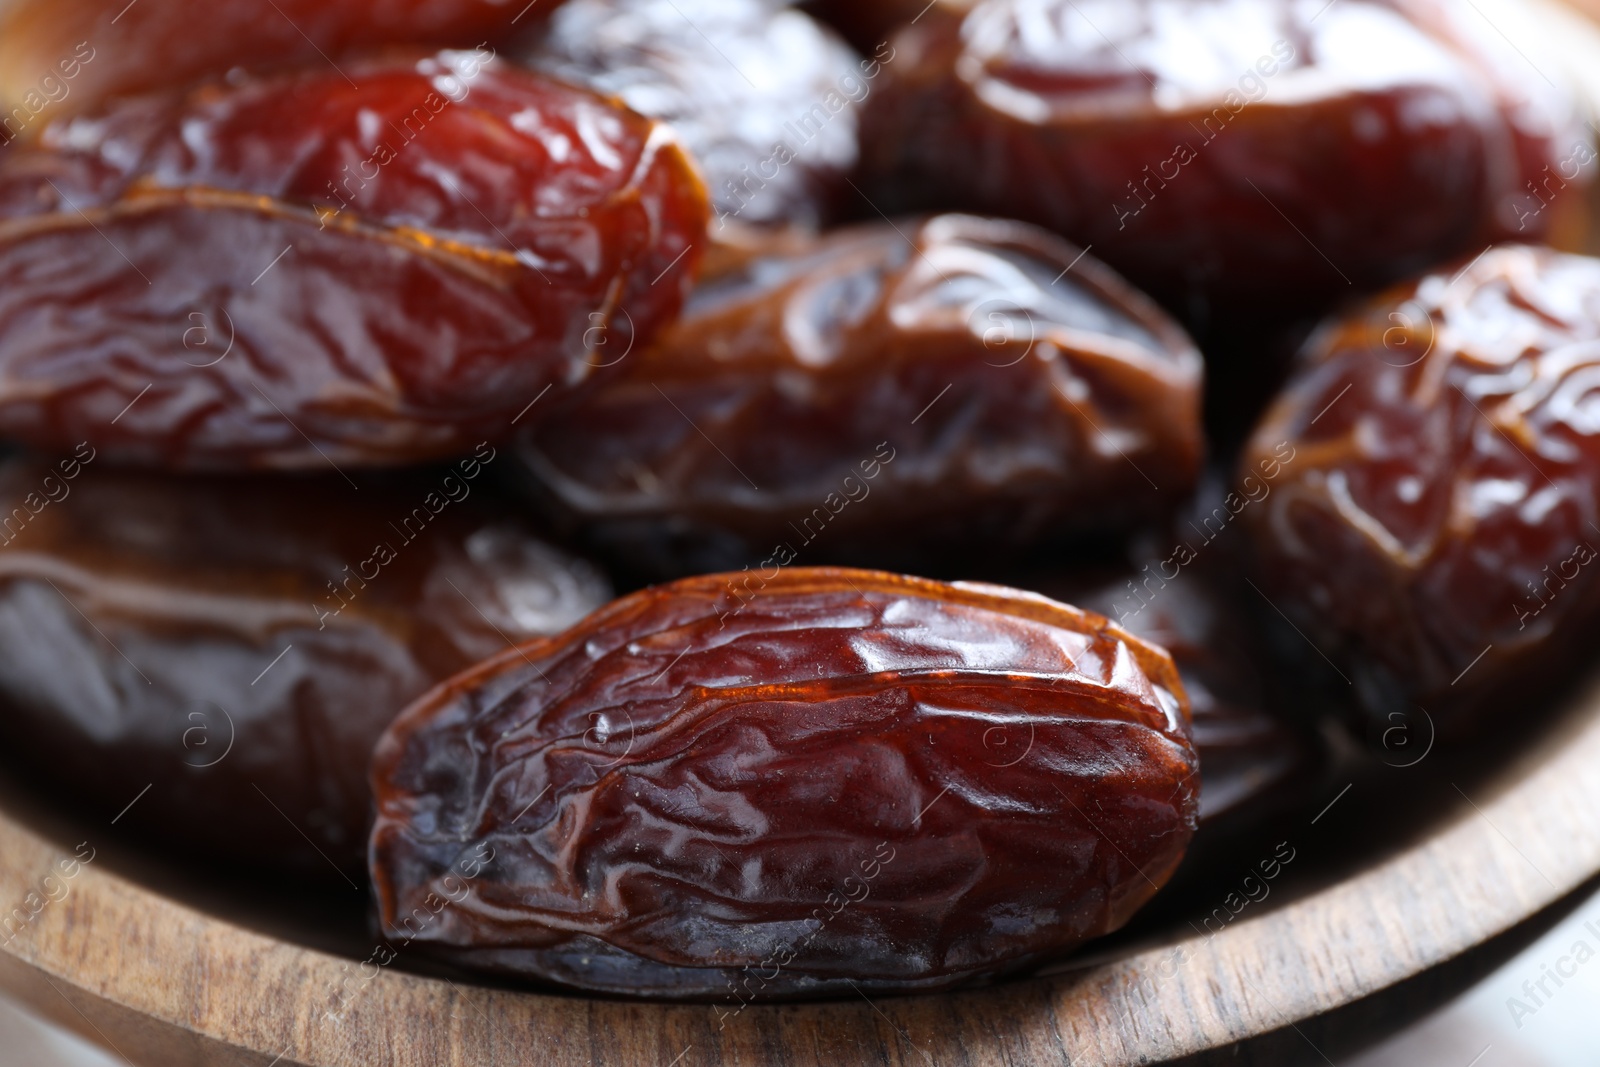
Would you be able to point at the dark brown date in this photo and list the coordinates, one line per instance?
(868, 24)
(59, 56)
(1252, 757)
(887, 394)
(1434, 533)
(293, 270)
(759, 787)
(237, 645)
(1222, 154)
(764, 98)
(1553, 150)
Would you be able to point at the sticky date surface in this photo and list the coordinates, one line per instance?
(764, 98)
(1222, 152)
(1436, 530)
(290, 270)
(1253, 758)
(61, 55)
(238, 644)
(836, 775)
(887, 394)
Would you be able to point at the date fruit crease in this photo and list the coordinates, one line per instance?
(835, 778)
(901, 394)
(294, 270)
(1436, 532)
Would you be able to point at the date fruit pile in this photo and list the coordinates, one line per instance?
(874, 357)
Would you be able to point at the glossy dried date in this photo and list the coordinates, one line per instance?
(237, 645)
(886, 395)
(764, 98)
(291, 270)
(1434, 532)
(1553, 146)
(764, 786)
(60, 56)
(1220, 153)
(1252, 758)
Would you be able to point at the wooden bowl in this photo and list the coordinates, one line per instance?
(1403, 865)
(1469, 856)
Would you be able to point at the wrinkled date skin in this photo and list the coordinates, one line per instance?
(241, 643)
(713, 788)
(764, 98)
(1435, 534)
(1221, 154)
(1252, 759)
(59, 56)
(887, 395)
(290, 271)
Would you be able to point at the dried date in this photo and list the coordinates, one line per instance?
(59, 56)
(1552, 147)
(777, 785)
(1434, 531)
(1223, 154)
(1253, 757)
(764, 98)
(237, 645)
(886, 394)
(290, 270)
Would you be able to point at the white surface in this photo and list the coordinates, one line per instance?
(1484, 1029)
(27, 1042)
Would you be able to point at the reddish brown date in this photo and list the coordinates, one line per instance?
(1434, 533)
(59, 56)
(764, 98)
(887, 394)
(1553, 149)
(1224, 153)
(291, 271)
(832, 777)
(1252, 758)
(237, 645)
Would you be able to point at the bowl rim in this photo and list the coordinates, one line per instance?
(159, 981)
